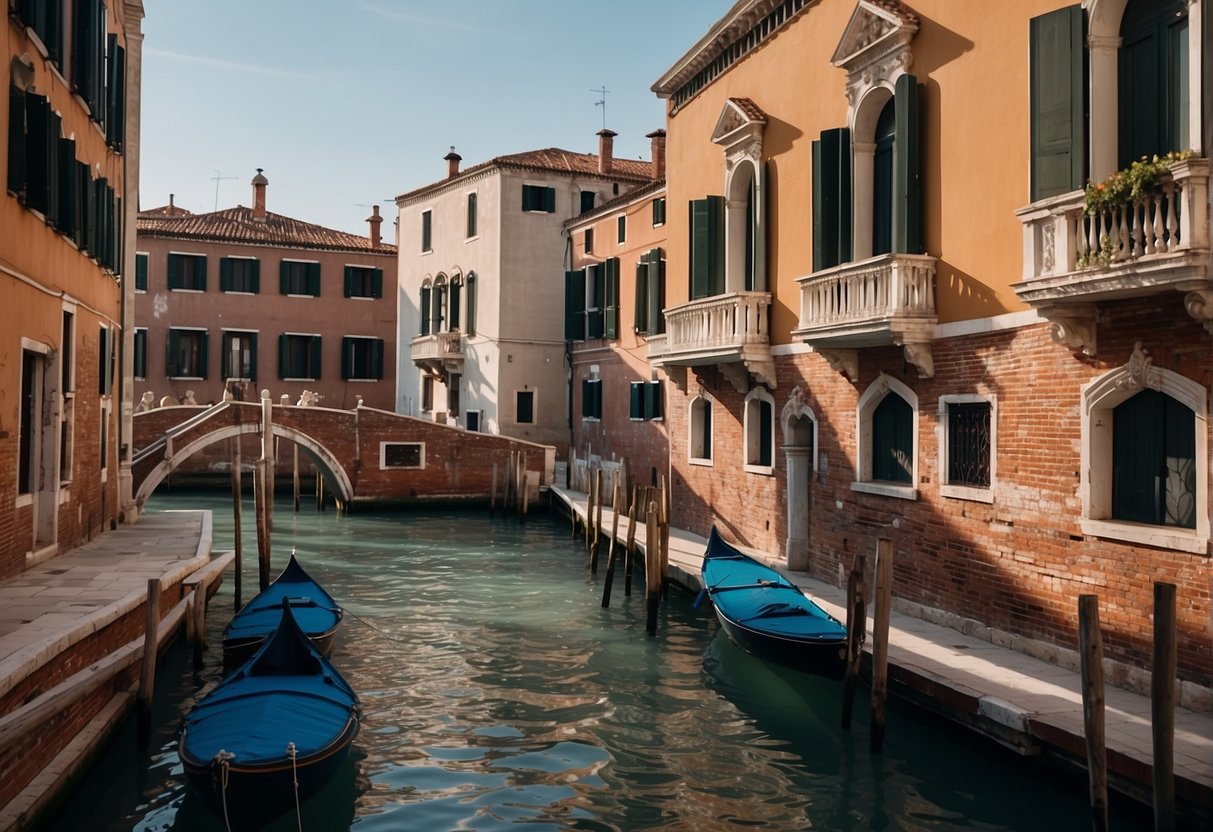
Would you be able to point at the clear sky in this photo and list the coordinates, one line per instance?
(347, 103)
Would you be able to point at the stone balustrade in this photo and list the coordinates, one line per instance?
(868, 294)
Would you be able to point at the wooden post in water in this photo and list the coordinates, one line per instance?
(1090, 642)
(319, 491)
(147, 670)
(295, 474)
(237, 506)
(493, 492)
(265, 490)
(616, 507)
(199, 617)
(629, 548)
(652, 567)
(526, 490)
(856, 626)
(665, 538)
(597, 509)
(1162, 706)
(880, 640)
(589, 507)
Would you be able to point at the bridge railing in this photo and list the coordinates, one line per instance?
(165, 442)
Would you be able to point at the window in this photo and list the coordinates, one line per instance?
(591, 301)
(401, 455)
(141, 271)
(538, 198)
(471, 229)
(469, 323)
(966, 443)
(361, 358)
(659, 211)
(882, 188)
(591, 398)
(186, 353)
(88, 55)
(115, 93)
(759, 432)
(239, 356)
(707, 247)
(140, 348)
(46, 21)
(363, 282)
(1153, 461)
(621, 229)
(887, 424)
(426, 299)
(595, 300)
(67, 375)
(299, 278)
(472, 419)
(524, 407)
(427, 231)
(589, 241)
(1153, 81)
(427, 393)
(646, 400)
(454, 295)
(187, 272)
(438, 298)
(587, 201)
(29, 442)
(701, 431)
(105, 361)
(240, 274)
(299, 356)
(650, 294)
(1057, 91)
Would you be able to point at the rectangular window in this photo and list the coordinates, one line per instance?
(187, 272)
(538, 198)
(589, 241)
(595, 300)
(969, 444)
(141, 271)
(363, 282)
(471, 229)
(587, 201)
(299, 277)
(591, 398)
(104, 361)
(401, 455)
(361, 358)
(115, 93)
(650, 294)
(427, 230)
(186, 353)
(299, 356)
(240, 356)
(31, 378)
(707, 247)
(659, 211)
(646, 400)
(621, 229)
(240, 274)
(427, 393)
(46, 21)
(574, 305)
(471, 420)
(140, 370)
(88, 55)
(524, 407)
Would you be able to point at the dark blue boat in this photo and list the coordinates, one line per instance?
(273, 732)
(314, 609)
(768, 615)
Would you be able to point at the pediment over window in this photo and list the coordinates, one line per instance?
(739, 128)
(875, 44)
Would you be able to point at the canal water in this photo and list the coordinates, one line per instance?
(497, 693)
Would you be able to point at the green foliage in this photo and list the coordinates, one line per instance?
(1128, 186)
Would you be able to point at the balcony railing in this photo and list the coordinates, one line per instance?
(439, 351)
(887, 299)
(732, 331)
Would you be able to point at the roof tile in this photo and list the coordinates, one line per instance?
(236, 225)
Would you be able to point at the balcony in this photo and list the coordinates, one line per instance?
(440, 353)
(884, 300)
(730, 331)
(1073, 260)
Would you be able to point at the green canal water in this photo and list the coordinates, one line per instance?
(497, 693)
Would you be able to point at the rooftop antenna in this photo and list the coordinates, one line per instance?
(602, 103)
(218, 176)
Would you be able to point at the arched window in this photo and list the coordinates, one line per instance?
(438, 301)
(886, 440)
(701, 431)
(426, 301)
(1152, 77)
(469, 315)
(453, 299)
(882, 180)
(759, 432)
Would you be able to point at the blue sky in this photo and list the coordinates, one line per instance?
(349, 103)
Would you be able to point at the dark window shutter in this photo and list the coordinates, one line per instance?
(252, 356)
(426, 230)
(115, 94)
(766, 444)
(16, 140)
(549, 200)
(652, 400)
(103, 364)
(1153, 461)
(284, 277)
(170, 354)
(832, 198)
(348, 279)
(174, 271)
(316, 355)
(377, 359)
(707, 247)
(470, 328)
(203, 352)
(611, 303)
(587, 201)
(37, 157)
(284, 356)
(377, 283)
(225, 274)
(453, 303)
(640, 320)
(140, 358)
(200, 266)
(892, 440)
(1057, 93)
(574, 305)
(69, 195)
(347, 358)
(54, 128)
(425, 310)
(254, 272)
(141, 272)
(587, 397)
(656, 292)
(636, 400)
(313, 279)
(907, 173)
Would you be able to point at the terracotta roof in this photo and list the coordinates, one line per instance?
(236, 225)
(751, 110)
(903, 12)
(169, 210)
(553, 160)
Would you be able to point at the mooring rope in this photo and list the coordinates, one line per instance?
(222, 757)
(290, 752)
(377, 629)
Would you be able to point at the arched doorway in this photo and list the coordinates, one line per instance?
(799, 449)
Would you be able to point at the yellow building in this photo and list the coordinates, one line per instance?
(66, 240)
(892, 310)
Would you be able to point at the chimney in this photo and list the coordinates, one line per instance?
(606, 148)
(170, 202)
(658, 153)
(452, 163)
(259, 183)
(374, 219)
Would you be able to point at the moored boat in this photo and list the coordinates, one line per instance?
(768, 615)
(317, 614)
(271, 733)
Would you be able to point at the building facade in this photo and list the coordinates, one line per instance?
(66, 219)
(207, 324)
(481, 317)
(893, 309)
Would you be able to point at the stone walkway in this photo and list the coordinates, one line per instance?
(1001, 692)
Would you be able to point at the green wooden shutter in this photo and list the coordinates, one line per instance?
(252, 356)
(425, 310)
(549, 200)
(426, 230)
(1057, 101)
(284, 277)
(640, 318)
(170, 354)
(54, 128)
(103, 364)
(37, 171)
(347, 358)
(69, 195)
(200, 262)
(610, 279)
(203, 352)
(471, 229)
(376, 283)
(453, 304)
(316, 356)
(832, 198)
(140, 358)
(636, 400)
(225, 274)
(348, 280)
(313, 279)
(115, 100)
(766, 444)
(284, 356)
(656, 292)
(254, 272)
(574, 305)
(652, 400)
(174, 271)
(16, 139)
(141, 272)
(892, 440)
(907, 173)
(471, 303)
(377, 359)
(707, 247)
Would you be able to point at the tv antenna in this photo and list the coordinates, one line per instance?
(602, 103)
(217, 177)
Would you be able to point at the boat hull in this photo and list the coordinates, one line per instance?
(826, 658)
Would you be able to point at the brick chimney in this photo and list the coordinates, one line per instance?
(606, 150)
(658, 153)
(452, 163)
(259, 183)
(374, 219)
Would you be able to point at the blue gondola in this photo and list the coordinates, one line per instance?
(273, 732)
(767, 615)
(315, 610)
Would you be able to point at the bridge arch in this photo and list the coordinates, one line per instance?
(334, 473)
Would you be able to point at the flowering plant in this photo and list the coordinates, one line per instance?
(1130, 185)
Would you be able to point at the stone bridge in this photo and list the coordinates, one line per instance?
(364, 455)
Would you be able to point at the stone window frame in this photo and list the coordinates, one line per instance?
(967, 492)
(872, 396)
(753, 433)
(695, 430)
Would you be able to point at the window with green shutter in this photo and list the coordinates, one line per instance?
(141, 259)
(239, 357)
(587, 201)
(882, 180)
(636, 400)
(115, 93)
(659, 211)
(1154, 461)
(88, 55)
(1057, 102)
(595, 300)
(299, 357)
(426, 292)
(16, 175)
(38, 162)
(591, 398)
(469, 327)
(574, 305)
(707, 247)
(832, 198)
(427, 230)
(103, 360)
(300, 278)
(240, 274)
(538, 198)
(361, 358)
(45, 18)
(653, 400)
(589, 241)
(1152, 79)
(907, 169)
(186, 353)
(893, 440)
(610, 307)
(187, 272)
(363, 282)
(140, 353)
(68, 219)
(621, 229)
(471, 227)
(453, 304)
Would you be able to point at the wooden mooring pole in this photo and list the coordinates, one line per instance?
(880, 640)
(1090, 642)
(493, 492)
(652, 569)
(264, 489)
(856, 630)
(237, 508)
(664, 528)
(616, 507)
(295, 475)
(198, 615)
(629, 548)
(1162, 706)
(597, 509)
(147, 669)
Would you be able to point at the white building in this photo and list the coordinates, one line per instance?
(481, 287)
